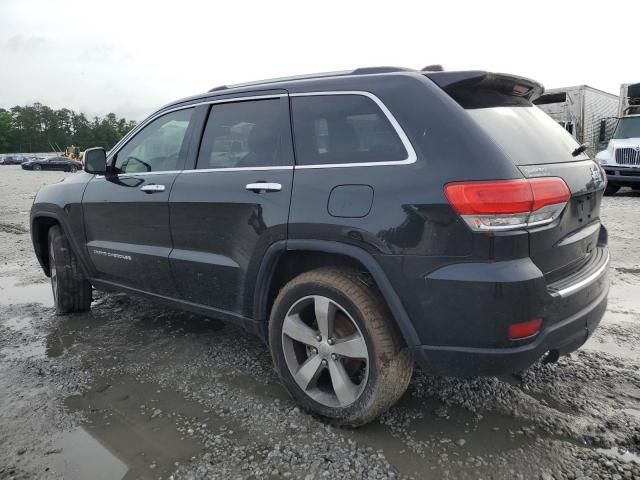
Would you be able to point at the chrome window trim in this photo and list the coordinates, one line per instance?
(237, 169)
(143, 174)
(411, 153)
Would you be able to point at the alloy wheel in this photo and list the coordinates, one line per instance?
(325, 351)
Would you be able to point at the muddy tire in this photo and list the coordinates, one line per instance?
(335, 347)
(71, 290)
(611, 189)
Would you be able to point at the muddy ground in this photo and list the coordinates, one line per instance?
(136, 390)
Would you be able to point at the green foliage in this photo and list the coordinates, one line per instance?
(6, 128)
(38, 128)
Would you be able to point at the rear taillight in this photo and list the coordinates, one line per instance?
(518, 331)
(508, 204)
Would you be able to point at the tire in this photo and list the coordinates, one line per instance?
(359, 314)
(73, 169)
(37, 167)
(71, 290)
(611, 189)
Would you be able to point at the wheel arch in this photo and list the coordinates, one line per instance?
(41, 223)
(40, 226)
(285, 260)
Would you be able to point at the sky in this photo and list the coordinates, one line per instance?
(132, 56)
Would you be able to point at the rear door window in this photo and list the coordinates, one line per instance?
(246, 134)
(334, 129)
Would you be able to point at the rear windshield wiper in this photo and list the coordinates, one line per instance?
(582, 148)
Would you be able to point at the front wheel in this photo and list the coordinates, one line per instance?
(73, 169)
(335, 348)
(37, 167)
(71, 290)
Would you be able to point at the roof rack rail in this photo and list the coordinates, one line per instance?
(357, 71)
(282, 79)
(372, 70)
(433, 68)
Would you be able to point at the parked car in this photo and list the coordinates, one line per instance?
(53, 163)
(357, 222)
(13, 159)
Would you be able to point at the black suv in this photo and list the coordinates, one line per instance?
(356, 221)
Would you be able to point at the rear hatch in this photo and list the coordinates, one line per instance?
(501, 106)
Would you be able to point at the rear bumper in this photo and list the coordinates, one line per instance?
(562, 337)
(467, 315)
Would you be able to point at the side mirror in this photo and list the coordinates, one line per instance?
(95, 161)
(603, 131)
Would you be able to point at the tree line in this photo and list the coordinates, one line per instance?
(38, 128)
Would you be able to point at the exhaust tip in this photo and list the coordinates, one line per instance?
(552, 357)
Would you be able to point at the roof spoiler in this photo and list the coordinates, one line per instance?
(477, 79)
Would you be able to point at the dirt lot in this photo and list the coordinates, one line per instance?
(136, 390)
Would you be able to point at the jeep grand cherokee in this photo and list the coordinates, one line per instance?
(358, 222)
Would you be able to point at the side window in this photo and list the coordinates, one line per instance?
(157, 147)
(343, 129)
(252, 133)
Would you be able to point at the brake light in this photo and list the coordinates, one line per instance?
(522, 330)
(508, 204)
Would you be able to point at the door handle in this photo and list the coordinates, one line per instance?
(153, 188)
(264, 187)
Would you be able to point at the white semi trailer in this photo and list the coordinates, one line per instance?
(585, 112)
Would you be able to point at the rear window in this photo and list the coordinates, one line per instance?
(527, 134)
(332, 129)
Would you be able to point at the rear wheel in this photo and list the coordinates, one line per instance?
(71, 290)
(37, 167)
(73, 169)
(335, 349)
(611, 189)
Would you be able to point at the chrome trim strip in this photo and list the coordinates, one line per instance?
(411, 153)
(142, 174)
(238, 169)
(565, 292)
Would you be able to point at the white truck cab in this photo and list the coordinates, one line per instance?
(621, 159)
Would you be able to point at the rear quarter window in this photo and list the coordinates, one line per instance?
(336, 129)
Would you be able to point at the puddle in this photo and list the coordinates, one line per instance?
(132, 429)
(11, 293)
(78, 446)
